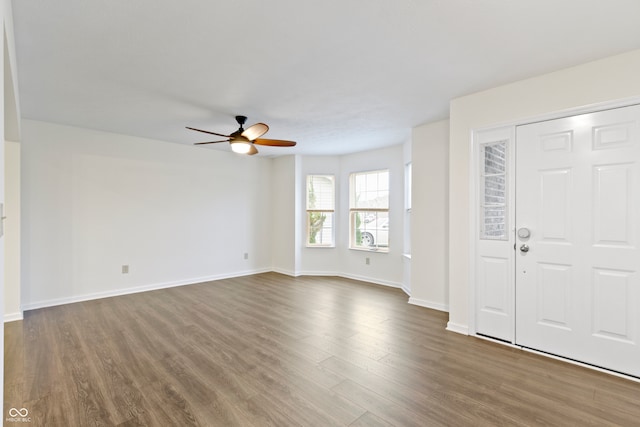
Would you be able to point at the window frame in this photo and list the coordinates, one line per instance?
(309, 212)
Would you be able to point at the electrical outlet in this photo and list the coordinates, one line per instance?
(125, 269)
(367, 261)
(246, 255)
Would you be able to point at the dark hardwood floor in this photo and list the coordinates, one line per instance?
(275, 350)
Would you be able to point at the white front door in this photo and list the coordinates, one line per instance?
(578, 273)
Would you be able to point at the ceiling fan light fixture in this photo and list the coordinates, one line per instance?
(240, 145)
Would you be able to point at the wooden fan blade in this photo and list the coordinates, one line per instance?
(255, 131)
(210, 142)
(274, 142)
(206, 131)
(253, 150)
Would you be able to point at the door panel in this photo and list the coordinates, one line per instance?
(613, 305)
(578, 191)
(612, 191)
(495, 283)
(554, 205)
(554, 294)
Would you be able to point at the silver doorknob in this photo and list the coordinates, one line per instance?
(524, 248)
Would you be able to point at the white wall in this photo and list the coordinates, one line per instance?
(284, 227)
(602, 81)
(94, 201)
(12, 310)
(384, 268)
(429, 216)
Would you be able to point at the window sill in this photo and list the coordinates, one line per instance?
(320, 247)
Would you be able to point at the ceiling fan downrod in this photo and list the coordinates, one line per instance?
(241, 121)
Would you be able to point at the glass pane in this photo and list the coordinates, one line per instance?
(361, 181)
(370, 230)
(372, 182)
(494, 223)
(320, 229)
(383, 180)
(320, 192)
(495, 158)
(370, 190)
(494, 190)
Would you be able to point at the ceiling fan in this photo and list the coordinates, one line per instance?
(243, 141)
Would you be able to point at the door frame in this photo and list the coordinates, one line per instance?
(474, 183)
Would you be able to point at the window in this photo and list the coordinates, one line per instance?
(407, 186)
(369, 210)
(320, 210)
(407, 212)
(493, 191)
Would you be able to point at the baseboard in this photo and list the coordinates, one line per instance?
(137, 289)
(460, 329)
(126, 291)
(290, 273)
(429, 304)
(320, 273)
(353, 277)
(370, 280)
(12, 317)
(406, 290)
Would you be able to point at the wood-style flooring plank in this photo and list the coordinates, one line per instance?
(380, 406)
(14, 351)
(273, 350)
(370, 420)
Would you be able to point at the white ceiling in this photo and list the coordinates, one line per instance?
(337, 76)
